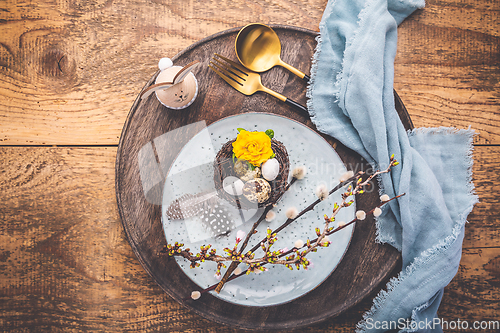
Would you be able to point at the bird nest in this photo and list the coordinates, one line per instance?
(224, 167)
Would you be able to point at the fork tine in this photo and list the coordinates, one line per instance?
(239, 67)
(227, 75)
(247, 82)
(231, 82)
(228, 71)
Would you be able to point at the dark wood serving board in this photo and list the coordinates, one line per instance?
(366, 263)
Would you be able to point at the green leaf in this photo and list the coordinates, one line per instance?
(270, 133)
(250, 165)
(234, 157)
(240, 129)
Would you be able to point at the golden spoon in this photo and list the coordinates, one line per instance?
(258, 48)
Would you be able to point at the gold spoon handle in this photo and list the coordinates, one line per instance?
(294, 71)
(273, 93)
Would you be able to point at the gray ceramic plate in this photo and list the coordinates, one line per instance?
(192, 173)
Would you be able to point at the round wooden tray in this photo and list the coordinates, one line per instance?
(366, 263)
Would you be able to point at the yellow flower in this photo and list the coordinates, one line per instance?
(254, 147)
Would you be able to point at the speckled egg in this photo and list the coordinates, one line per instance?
(240, 167)
(257, 190)
(251, 174)
(242, 170)
(270, 169)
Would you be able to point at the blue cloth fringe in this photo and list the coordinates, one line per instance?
(350, 97)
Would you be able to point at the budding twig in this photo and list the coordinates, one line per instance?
(339, 228)
(291, 257)
(311, 206)
(235, 264)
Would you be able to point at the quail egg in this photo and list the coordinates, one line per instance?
(257, 190)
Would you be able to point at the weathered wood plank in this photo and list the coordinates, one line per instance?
(447, 68)
(473, 293)
(65, 261)
(70, 73)
(483, 229)
(473, 15)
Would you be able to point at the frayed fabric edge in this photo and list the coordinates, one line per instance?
(419, 262)
(443, 130)
(443, 245)
(341, 75)
(415, 3)
(469, 133)
(312, 81)
(314, 66)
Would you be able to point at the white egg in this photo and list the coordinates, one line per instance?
(233, 185)
(270, 169)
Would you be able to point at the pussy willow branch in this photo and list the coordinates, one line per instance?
(358, 189)
(315, 243)
(235, 264)
(309, 208)
(185, 253)
(339, 228)
(236, 256)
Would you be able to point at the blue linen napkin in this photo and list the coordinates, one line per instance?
(350, 97)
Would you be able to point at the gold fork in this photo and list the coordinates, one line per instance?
(244, 80)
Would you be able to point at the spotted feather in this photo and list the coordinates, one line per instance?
(207, 207)
(218, 220)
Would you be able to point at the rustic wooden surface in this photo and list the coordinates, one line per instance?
(71, 70)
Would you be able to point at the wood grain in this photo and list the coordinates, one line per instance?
(478, 278)
(69, 74)
(483, 231)
(65, 263)
(447, 66)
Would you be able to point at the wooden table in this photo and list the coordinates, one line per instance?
(70, 71)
